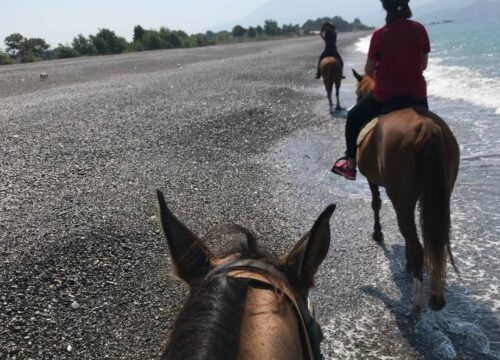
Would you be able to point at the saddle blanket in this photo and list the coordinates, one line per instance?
(368, 128)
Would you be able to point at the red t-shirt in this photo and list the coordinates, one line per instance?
(398, 50)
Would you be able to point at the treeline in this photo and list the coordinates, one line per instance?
(106, 42)
(341, 25)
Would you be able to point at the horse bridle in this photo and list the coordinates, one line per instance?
(256, 270)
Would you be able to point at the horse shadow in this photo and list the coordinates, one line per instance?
(453, 333)
(338, 113)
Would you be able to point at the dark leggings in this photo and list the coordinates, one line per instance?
(367, 109)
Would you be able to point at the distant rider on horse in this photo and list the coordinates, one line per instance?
(329, 35)
(397, 58)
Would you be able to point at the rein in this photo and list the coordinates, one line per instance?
(256, 270)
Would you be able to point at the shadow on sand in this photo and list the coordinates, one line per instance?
(339, 114)
(453, 333)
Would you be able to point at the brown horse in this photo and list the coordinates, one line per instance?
(331, 70)
(414, 155)
(245, 303)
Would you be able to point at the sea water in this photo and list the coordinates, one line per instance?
(463, 80)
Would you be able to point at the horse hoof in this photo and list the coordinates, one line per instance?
(436, 304)
(416, 309)
(378, 236)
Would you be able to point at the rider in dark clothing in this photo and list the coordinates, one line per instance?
(329, 35)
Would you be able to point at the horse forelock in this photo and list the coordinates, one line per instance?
(210, 321)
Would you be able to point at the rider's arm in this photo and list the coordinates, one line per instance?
(425, 60)
(370, 67)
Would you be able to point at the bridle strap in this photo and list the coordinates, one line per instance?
(255, 270)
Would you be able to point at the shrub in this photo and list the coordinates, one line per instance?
(5, 59)
(66, 52)
(29, 58)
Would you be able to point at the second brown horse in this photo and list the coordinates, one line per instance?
(415, 156)
(331, 71)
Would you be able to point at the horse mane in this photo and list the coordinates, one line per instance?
(365, 85)
(208, 326)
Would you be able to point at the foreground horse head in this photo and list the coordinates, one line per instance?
(331, 70)
(245, 303)
(414, 155)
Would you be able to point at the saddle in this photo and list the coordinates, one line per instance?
(368, 128)
(392, 105)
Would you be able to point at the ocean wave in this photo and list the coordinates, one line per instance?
(363, 44)
(460, 83)
(457, 83)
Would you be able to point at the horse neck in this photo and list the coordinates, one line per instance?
(269, 328)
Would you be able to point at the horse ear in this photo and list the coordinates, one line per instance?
(357, 75)
(190, 256)
(307, 255)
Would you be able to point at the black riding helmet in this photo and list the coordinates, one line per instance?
(394, 4)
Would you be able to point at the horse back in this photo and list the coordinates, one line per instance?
(395, 147)
(331, 68)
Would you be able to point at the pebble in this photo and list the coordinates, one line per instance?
(75, 305)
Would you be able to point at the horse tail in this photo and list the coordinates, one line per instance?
(435, 209)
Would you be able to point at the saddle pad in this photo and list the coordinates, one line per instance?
(366, 130)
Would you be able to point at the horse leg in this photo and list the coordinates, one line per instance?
(337, 87)
(405, 210)
(378, 236)
(329, 88)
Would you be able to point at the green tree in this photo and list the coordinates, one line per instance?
(271, 28)
(259, 30)
(14, 43)
(35, 46)
(152, 40)
(239, 31)
(83, 45)
(252, 32)
(199, 40)
(139, 33)
(106, 42)
(5, 59)
(174, 39)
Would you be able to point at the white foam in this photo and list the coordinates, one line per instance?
(455, 82)
(363, 44)
(462, 84)
(438, 326)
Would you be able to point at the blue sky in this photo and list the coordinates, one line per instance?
(59, 21)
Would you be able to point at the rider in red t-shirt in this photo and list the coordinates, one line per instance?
(396, 60)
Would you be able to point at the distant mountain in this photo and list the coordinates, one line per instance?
(475, 10)
(438, 5)
(370, 12)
